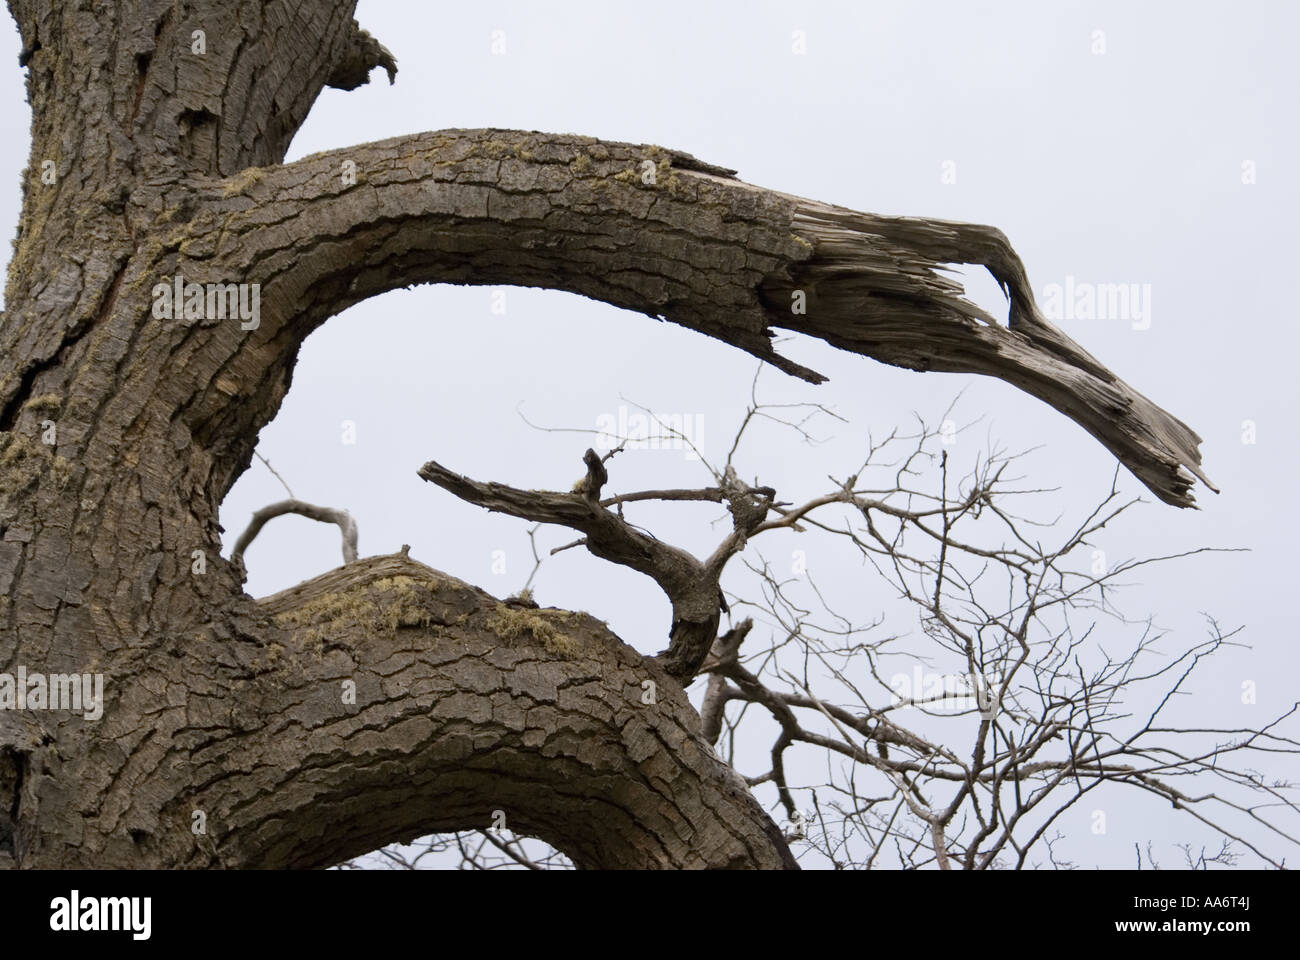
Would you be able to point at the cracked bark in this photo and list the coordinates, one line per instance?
(216, 704)
(170, 163)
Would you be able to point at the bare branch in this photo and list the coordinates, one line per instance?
(691, 587)
(346, 524)
(276, 473)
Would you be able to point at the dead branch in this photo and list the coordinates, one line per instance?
(692, 586)
(346, 524)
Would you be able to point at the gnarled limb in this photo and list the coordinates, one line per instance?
(691, 586)
(661, 233)
(453, 688)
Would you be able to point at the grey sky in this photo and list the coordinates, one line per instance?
(1117, 167)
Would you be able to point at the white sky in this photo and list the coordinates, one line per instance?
(1121, 167)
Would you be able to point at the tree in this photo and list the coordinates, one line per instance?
(1027, 693)
(167, 268)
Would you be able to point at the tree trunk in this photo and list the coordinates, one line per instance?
(159, 130)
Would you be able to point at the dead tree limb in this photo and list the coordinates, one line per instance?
(346, 524)
(658, 232)
(692, 585)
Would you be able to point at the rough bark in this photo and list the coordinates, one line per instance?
(694, 246)
(169, 163)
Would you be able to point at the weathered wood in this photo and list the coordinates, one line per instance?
(701, 249)
(481, 707)
(691, 585)
(346, 523)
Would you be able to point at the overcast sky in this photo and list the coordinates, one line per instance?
(1114, 143)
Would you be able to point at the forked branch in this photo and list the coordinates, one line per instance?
(692, 585)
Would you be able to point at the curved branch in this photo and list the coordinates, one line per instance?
(463, 707)
(346, 524)
(661, 233)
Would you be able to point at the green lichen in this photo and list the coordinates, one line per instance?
(45, 402)
(388, 605)
(21, 447)
(665, 177)
(515, 626)
(29, 458)
(241, 181)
